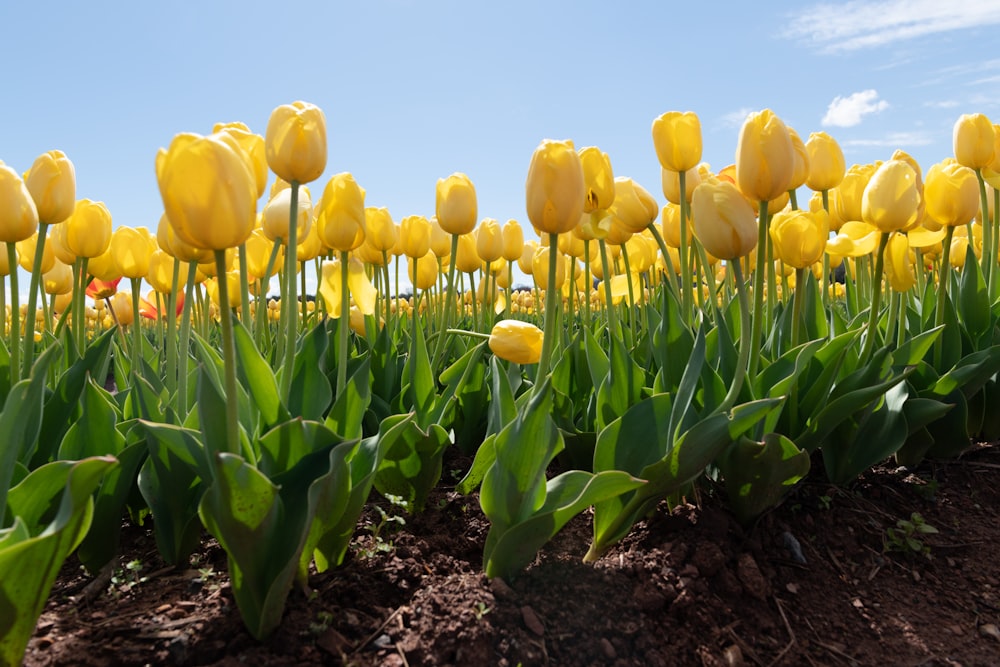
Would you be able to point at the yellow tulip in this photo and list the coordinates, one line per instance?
(295, 142)
(427, 270)
(951, 194)
(440, 240)
(800, 161)
(455, 206)
(358, 284)
(310, 247)
(102, 267)
(208, 192)
(899, 264)
(513, 240)
(26, 254)
(594, 225)
(891, 200)
(167, 241)
(415, 235)
(764, 157)
(489, 242)
(18, 215)
(974, 141)
(88, 230)
(121, 307)
(921, 237)
(57, 239)
(958, 251)
(540, 269)
(526, 261)
(380, 230)
(800, 237)
(253, 148)
(276, 215)
(233, 293)
(467, 260)
(516, 341)
(826, 162)
(5, 269)
(853, 239)
(161, 271)
(851, 189)
(571, 244)
(52, 184)
(723, 220)
(132, 249)
(341, 218)
(671, 184)
(670, 222)
(677, 139)
(634, 208)
(598, 179)
(555, 189)
(58, 279)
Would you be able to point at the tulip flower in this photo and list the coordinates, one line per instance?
(456, 207)
(516, 341)
(415, 235)
(598, 179)
(513, 240)
(358, 285)
(765, 157)
(276, 216)
(18, 215)
(973, 141)
(26, 251)
(489, 242)
(890, 200)
(677, 140)
(88, 230)
(800, 237)
(253, 148)
(951, 194)
(724, 220)
(340, 220)
(800, 162)
(423, 271)
(380, 231)
(826, 162)
(52, 184)
(555, 188)
(295, 142)
(132, 249)
(899, 265)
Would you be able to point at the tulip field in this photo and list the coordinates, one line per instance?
(784, 317)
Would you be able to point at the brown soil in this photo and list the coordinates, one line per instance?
(688, 587)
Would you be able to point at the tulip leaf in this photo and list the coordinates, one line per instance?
(348, 411)
(759, 474)
(687, 386)
(255, 373)
(94, 432)
(32, 555)
(598, 363)
(310, 395)
(970, 373)
(566, 496)
(973, 298)
(411, 460)
(418, 387)
(621, 387)
(285, 445)
(916, 348)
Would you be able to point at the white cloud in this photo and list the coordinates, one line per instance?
(891, 140)
(848, 111)
(736, 118)
(943, 104)
(859, 24)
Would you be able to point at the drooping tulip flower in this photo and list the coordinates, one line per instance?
(764, 157)
(634, 208)
(800, 236)
(555, 189)
(724, 221)
(456, 206)
(951, 194)
(899, 264)
(598, 179)
(209, 194)
(52, 184)
(340, 221)
(295, 142)
(973, 141)
(677, 139)
(890, 201)
(18, 215)
(88, 230)
(516, 341)
(826, 162)
(360, 287)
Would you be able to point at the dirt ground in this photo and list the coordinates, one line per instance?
(817, 581)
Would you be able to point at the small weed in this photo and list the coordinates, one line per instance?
(905, 537)
(322, 623)
(381, 545)
(481, 610)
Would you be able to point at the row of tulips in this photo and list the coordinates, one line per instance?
(730, 336)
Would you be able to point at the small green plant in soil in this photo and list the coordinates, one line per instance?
(906, 536)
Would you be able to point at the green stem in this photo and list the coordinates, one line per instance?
(28, 350)
(137, 325)
(944, 281)
(171, 342)
(551, 314)
(183, 345)
(289, 298)
(229, 357)
(876, 299)
(609, 306)
(15, 313)
(344, 326)
(987, 261)
(449, 303)
(683, 249)
(758, 288)
(745, 346)
(244, 286)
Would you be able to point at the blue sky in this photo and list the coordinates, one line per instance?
(413, 91)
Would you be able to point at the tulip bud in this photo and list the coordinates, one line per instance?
(764, 157)
(516, 341)
(88, 230)
(723, 220)
(671, 184)
(427, 270)
(826, 162)
(513, 240)
(415, 235)
(18, 216)
(380, 231)
(340, 222)
(26, 254)
(951, 194)
(555, 189)
(296, 142)
(456, 207)
(973, 141)
(466, 260)
(489, 242)
(598, 179)
(890, 200)
(52, 184)
(677, 139)
(540, 268)
(132, 249)
(800, 237)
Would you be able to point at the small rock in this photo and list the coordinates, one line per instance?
(792, 588)
(956, 630)
(501, 590)
(990, 630)
(733, 656)
(793, 547)
(608, 648)
(382, 641)
(916, 576)
(531, 621)
(751, 578)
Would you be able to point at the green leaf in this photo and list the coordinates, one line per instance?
(310, 395)
(759, 474)
(347, 414)
(284, 446)
(418, 386)
(621, 387)
(973, 298)
(878, 436)
(94, 433)
(31, 560)
(914, 349)
(411, 460)
(255, 373)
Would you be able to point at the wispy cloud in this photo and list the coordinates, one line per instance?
(848, 111)
(891, 140)
(736, 118)
(860, 24)
(943, 104)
